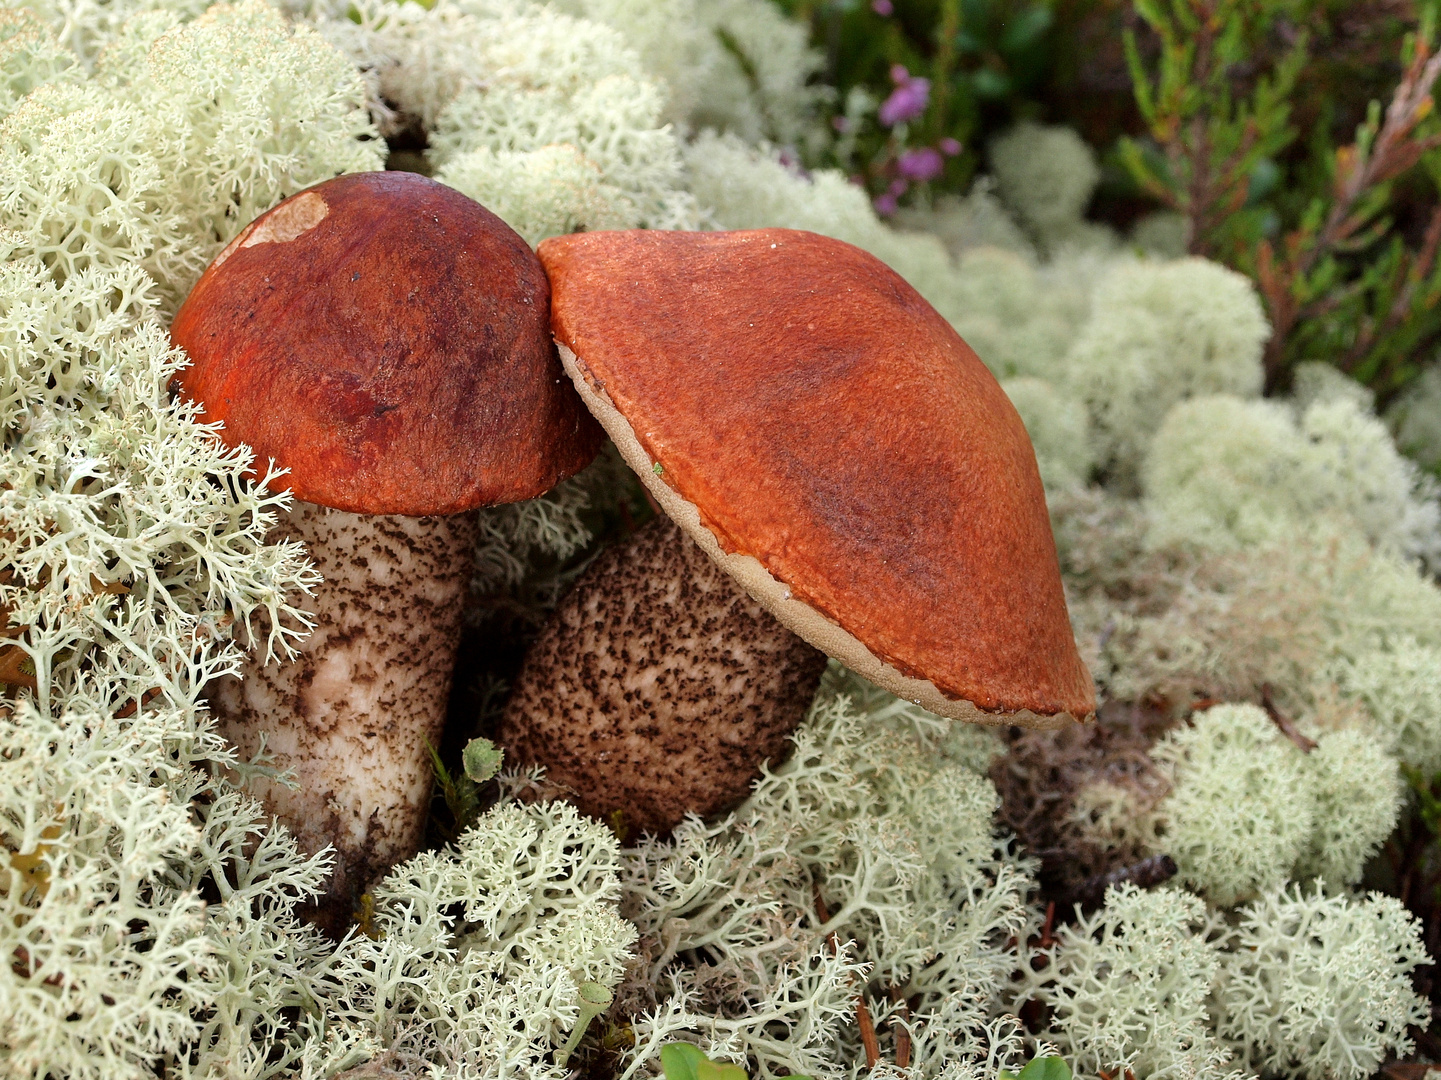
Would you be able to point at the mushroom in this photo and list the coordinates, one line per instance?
(384, 338)
(829, 441)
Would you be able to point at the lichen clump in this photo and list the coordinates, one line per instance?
(1248, 580)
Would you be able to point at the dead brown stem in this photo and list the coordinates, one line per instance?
(863, 1014)
(1284, 722)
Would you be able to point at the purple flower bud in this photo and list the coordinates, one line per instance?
(921, 164)
(899, 187)
(950, 147)
(885, 204)
(841, 124)
(883, 8)
(907, 101)
(899, 75)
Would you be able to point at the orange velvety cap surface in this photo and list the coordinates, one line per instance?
(386, 339)
(826, 420)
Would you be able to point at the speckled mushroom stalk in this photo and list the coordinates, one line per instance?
(829, 441)
(350, 717)
(658, 686)
(385, 339)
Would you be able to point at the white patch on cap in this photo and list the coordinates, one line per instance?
(284, 223)
(289, 220)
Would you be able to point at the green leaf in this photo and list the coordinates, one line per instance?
(1026, 30)
(989, 83)
(481, 759)
(717, 1070)
(680, 1060)
(1046, 1068)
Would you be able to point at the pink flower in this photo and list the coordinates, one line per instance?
(950, 147)
(883, 8)
(921, 164)
(885, 204)
(907, 101)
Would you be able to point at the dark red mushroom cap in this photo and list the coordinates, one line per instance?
(827, 436)
(387, 340)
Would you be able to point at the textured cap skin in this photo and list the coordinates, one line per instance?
(824, 421)
(386, 339)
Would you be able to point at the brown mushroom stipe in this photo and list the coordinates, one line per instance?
(827, 437)
(386, 340)
(658, 686)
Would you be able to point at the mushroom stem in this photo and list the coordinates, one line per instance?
(659, 686)
(350, 717)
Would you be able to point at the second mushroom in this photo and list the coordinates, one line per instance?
(830, 443)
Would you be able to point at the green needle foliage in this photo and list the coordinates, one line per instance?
(1318, 226)
(1209, 140)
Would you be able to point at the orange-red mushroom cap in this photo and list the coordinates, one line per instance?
(386, 340)
(827, 436)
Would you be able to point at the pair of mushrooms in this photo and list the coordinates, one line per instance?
(855, 483)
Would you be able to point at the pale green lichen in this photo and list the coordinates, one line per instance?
(1128, 988)
(1400, 687)
(899, 844)
(545, 116)
(728, 65)
(1004, 309)
(1046, 175)
(135, 539)
(1358, 793)
(1320, 987)
(1314, 381)
(1161, 333)
(1160, 234)
(1245, 809)
(476, 953)
(84, 185)
(975, 220)
(1059, 428)
(86, 917)
(1237, 818)
(1225, 473)
(30, 57)
(546, 192)
(186, 133)
(1415, 419)
(86, 28)
(1182, 624)
(1305, 984)
(256, 109)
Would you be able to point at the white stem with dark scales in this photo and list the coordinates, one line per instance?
(349, 717)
